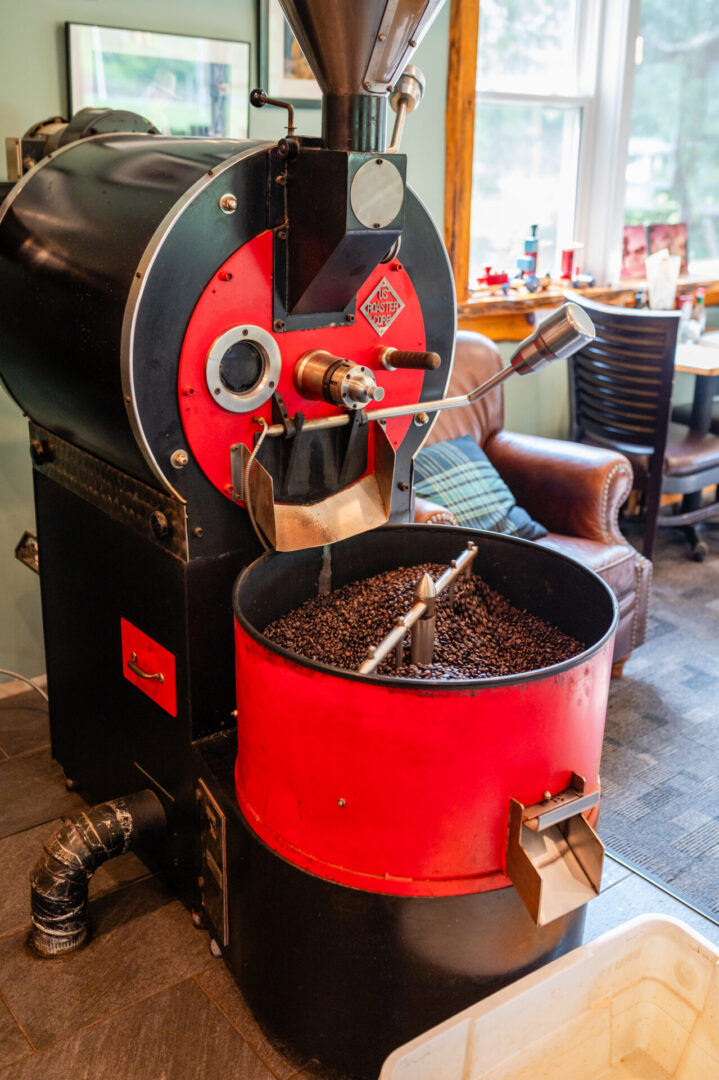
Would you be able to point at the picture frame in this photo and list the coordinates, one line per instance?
(184, 85)
(634, 251)
(283, 71)
(673, 238)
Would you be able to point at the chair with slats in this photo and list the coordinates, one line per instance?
(620, 392)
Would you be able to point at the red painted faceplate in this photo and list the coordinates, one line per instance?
(241, 292)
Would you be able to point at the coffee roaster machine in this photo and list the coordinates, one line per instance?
(227, 346)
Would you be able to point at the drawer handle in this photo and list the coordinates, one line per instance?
(132, 664)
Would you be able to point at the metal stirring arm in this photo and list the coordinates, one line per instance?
(422, 612)
(561, 335)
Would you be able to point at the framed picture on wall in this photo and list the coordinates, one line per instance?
(284, 72)
(184, 85)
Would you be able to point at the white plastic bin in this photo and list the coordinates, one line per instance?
(639, 1002)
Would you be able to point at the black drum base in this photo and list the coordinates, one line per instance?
(346, 976)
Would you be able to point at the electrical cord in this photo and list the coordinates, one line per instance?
(23, 678)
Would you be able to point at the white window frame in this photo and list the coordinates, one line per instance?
(605, 35)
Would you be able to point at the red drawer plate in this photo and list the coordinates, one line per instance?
(155, 674)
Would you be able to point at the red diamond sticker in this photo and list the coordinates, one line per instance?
(382, 306)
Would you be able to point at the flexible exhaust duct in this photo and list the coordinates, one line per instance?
(60, 879)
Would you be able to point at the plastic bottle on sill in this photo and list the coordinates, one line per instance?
(700, 312)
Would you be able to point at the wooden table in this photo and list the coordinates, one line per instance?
(702, 360)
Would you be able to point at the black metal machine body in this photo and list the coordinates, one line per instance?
(164, 300)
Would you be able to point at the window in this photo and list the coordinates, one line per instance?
(579, 115)
(672, 170)
(535, 78)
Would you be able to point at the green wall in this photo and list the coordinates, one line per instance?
(32, 87)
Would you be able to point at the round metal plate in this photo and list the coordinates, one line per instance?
(263, 389)
(377, 193)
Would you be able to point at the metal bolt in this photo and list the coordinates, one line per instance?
(228, 203)
(37, 452)
(278, 324)
(225, 275)
(197, 920)
(367, 85)
(198, 531)
(546, 796)
(189, 390)
(413, 43)
(160, 525)
(421, 419)
(28, 162)
(281, 179)
(381, 37)
(403, 486)
(178, 459)
(349, 317)
(282, 234)
(341, 802)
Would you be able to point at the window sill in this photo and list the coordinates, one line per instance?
(510, 318)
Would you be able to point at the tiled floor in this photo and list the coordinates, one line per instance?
(146, 1000)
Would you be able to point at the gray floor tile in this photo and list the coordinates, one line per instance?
(176, 1035)
(32, 790)
(24, 723)
(634, 896)
(142, 941)
(13, 1044)
(612, 872)
(18, 855)
(222, 989)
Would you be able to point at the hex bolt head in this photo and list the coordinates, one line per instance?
(37, 452)
(179, 458)
(228, 203)
(421, 419)
(159, 524)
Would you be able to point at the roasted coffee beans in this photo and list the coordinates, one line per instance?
(482, 637)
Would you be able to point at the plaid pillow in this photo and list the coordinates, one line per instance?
(459, 475)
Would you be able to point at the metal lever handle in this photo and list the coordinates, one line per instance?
(132, 664)
(559, 336)
(258, 98)
(404, 358)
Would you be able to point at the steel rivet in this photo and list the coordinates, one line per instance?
(198, 531)
(178, 459)
(421, 419)
(367, 85)
(228, 203)
(341, 802)
(546, 796)
(403, 486)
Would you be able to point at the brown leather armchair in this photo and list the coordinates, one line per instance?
(575, 491)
